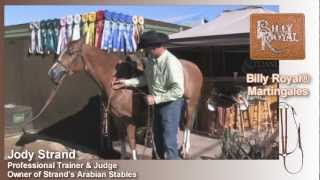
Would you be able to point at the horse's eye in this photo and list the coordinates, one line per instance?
(70, 53)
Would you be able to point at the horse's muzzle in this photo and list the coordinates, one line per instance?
(56, 72)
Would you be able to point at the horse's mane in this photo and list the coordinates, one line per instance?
(127, 66)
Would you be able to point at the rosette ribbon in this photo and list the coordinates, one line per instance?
(69, 27)
(107, 31)
(84, 24)
(99, 28)
(76, 27)
(90, 37)
(62, 42)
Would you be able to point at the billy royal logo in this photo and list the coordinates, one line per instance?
(269, 33)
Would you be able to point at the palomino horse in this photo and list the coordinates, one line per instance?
(103, 67)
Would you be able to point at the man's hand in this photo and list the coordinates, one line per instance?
(118, 84)
(150, 100)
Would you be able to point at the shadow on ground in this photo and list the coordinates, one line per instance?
(79, 131)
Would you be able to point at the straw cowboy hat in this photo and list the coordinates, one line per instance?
(153, 39)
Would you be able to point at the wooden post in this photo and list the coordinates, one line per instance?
(258, 117)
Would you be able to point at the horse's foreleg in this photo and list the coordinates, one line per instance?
(186, 143)
(131, 131)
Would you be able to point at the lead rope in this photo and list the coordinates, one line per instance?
(149, 127)
(149, 120)
(109, 102)
(49, 100)
(284, 137)
(149, 131)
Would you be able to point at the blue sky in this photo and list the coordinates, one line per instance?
(178, 14)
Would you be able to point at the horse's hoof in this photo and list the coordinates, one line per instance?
(187, 157)
(184, 155)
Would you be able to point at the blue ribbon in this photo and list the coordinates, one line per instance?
(122, 32)
(118, 33)
(107, 31)
(129, 28)
(115, 45)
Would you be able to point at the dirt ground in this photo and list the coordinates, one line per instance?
(201, 147)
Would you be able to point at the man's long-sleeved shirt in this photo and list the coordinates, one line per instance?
(163, 76)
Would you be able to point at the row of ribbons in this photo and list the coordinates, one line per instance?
(114, 32)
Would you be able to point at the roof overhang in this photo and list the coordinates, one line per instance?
(217, 40)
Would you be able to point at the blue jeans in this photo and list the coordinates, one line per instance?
(165, 128)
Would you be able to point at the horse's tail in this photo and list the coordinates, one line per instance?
(184, 113)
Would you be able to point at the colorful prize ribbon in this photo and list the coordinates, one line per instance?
(84, 24)
(91, 29)
(99, 28)
(106, 35)
(76, 27)
(62, 35)
(69, 27)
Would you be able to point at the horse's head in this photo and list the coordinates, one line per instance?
(70, 61)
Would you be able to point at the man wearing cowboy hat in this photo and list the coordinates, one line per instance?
(164, 77)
